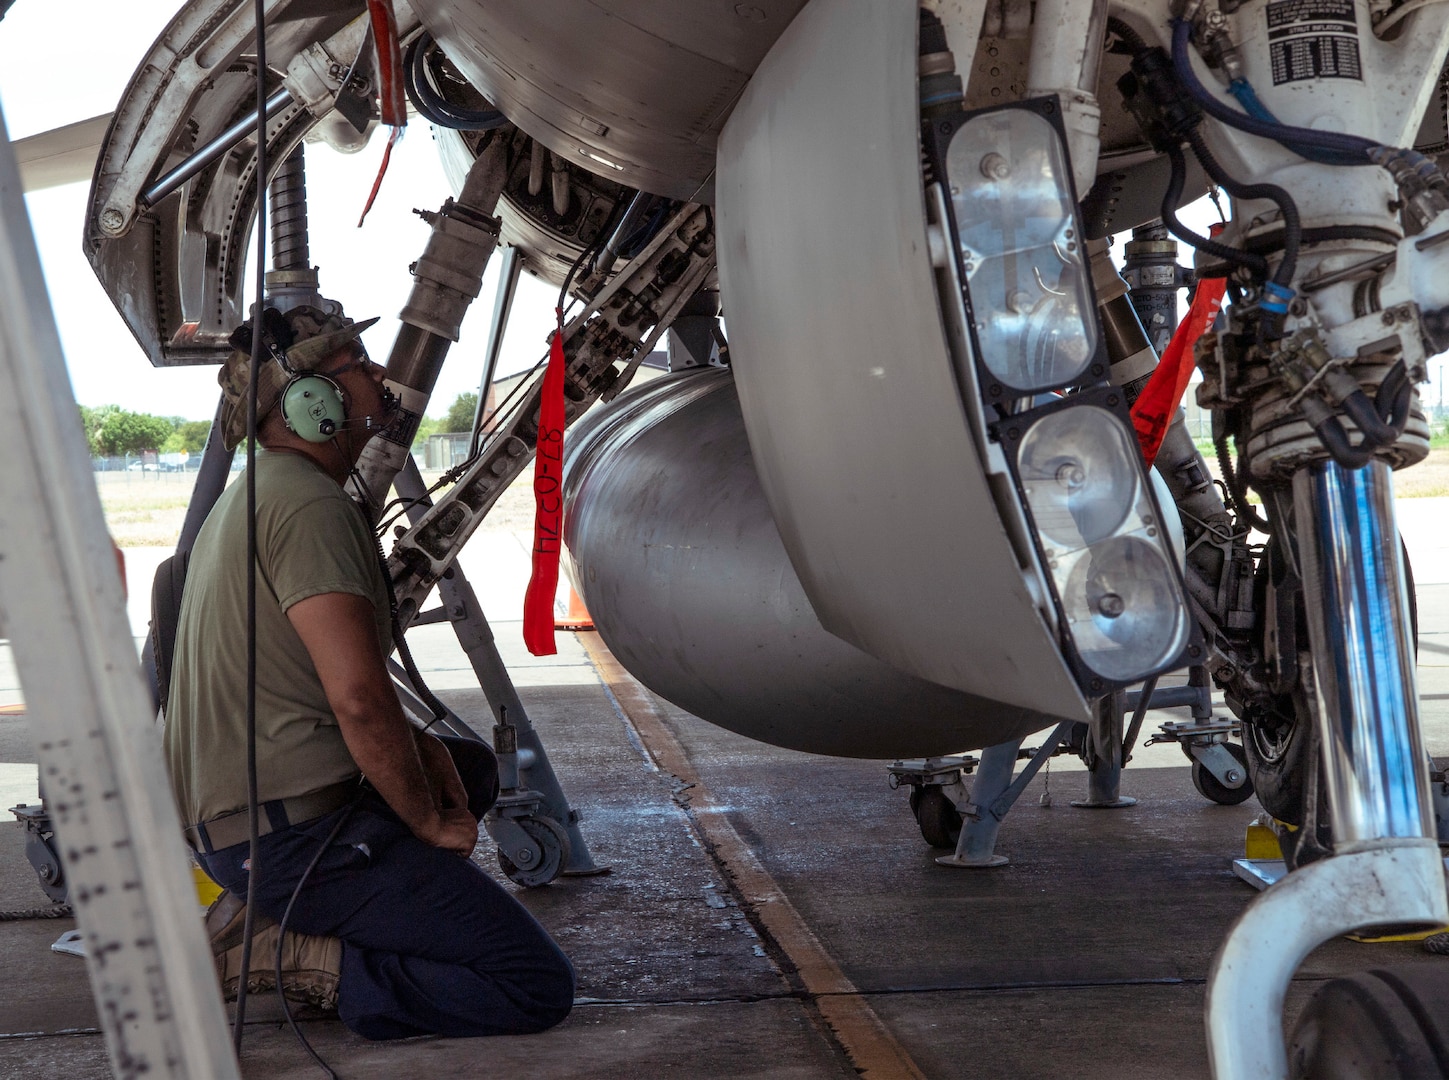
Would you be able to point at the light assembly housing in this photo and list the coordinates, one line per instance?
(1016, 236)
(1101, 538)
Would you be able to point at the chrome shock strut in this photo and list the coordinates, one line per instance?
(1366, 686)
(1386, 867)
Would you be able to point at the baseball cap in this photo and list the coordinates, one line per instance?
(307, 337)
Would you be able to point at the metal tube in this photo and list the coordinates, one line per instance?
(445, 281)
(1363, 660)
(977, 846)
(1248, 981)
(211, 151)
(1104, 771)
(633, 216)
(502, 305)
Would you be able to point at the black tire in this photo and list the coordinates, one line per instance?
(1387, 1024)
(937, 816)
(1213, 789)
(1277, 752)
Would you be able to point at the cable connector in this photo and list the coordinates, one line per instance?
(1157, 99)
(1423, 188)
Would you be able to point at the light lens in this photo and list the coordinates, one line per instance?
(1102, 540)
(1078, 476)
(1030, 289)
(1124, 608)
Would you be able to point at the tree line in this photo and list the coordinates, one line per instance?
(112, 431)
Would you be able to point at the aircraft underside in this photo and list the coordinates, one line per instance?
(916, 503)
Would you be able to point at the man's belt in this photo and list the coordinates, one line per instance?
(231, 829)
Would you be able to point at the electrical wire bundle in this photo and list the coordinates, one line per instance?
(429, 101)
(1169, 101)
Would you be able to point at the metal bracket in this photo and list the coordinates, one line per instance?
(642, 302)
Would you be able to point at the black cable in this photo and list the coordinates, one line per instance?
(1395, 397)
(1133, 40)
(1376, 431)
(1335, 440)
(1170, 199)
(1292, 224)
(435, 108)
(1326, 147)
(1380, 422)
(248, 926)
(1269, 242)
(1237, 494)
(57, 911)
(282, 936)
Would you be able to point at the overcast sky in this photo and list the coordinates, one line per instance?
(42, 87)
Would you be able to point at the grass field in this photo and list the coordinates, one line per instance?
(148, 508)
(145, 509)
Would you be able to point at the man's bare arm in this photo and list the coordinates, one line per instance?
(340, 636)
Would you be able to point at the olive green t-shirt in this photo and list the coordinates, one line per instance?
(311, 539)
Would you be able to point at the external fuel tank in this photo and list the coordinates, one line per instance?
(673, 548)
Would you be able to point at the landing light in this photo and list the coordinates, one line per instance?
(1017, 242)
(1099, 533)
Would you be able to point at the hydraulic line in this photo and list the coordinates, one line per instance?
(1170, 199)
(1325, 147)
(435, 108)
(1292, 227)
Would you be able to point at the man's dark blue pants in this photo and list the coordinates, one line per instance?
(430, 943)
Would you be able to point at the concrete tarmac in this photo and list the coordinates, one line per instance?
(770, 913)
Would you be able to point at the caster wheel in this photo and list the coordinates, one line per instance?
(937, 816)
(553, 845)
(1210, 787)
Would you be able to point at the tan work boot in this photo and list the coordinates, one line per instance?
(311, 965)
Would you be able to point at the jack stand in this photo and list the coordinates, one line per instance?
(1102, 755)
(983, 809)
(524, 820)
(982, 819)
(533, 848)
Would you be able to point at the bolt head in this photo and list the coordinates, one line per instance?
(995, 167)
(112, 221)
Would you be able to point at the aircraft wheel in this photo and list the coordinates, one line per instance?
(553, 846)
(1210, 787)
(937, 816)
(1386, 1024)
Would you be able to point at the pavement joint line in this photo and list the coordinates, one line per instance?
(866, 1041)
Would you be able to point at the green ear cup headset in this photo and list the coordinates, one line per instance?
(312, 407)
